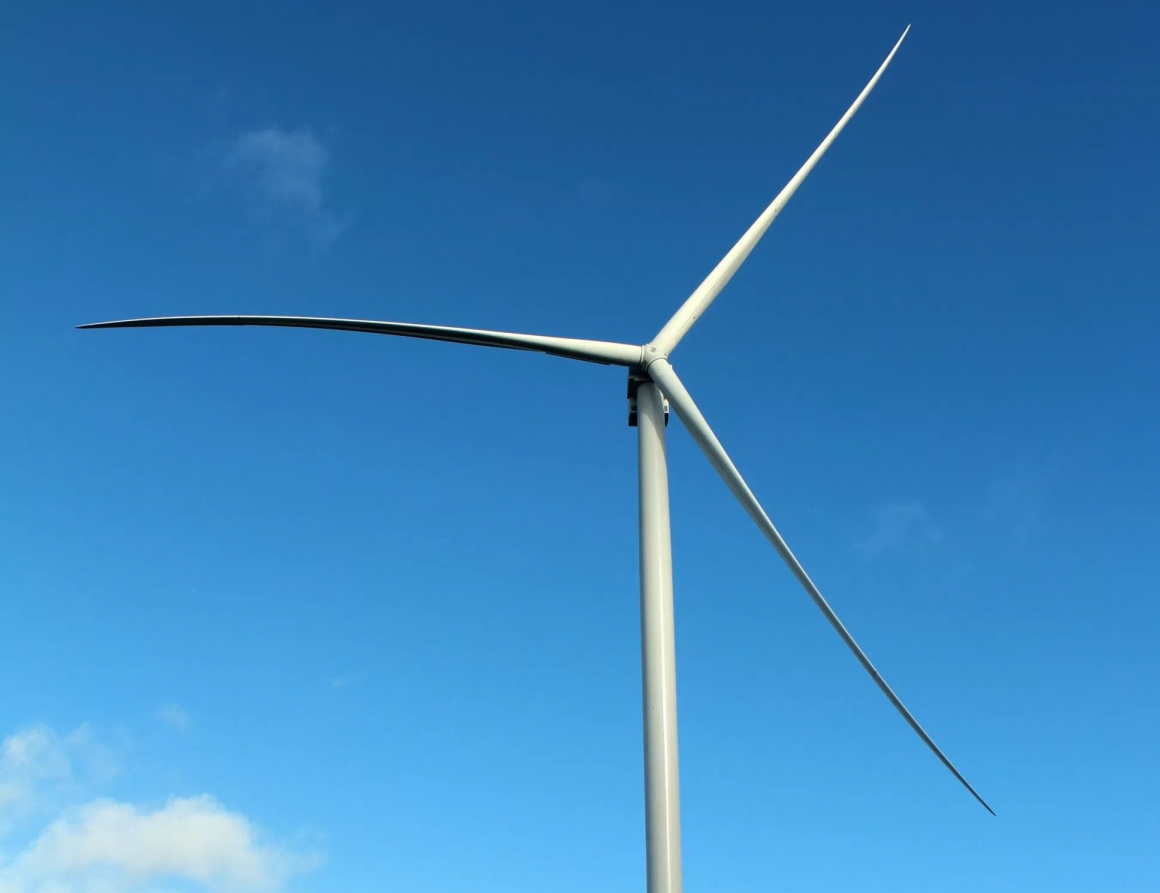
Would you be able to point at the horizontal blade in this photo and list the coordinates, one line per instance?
(607, 352)
(662, 373)
(698, 302)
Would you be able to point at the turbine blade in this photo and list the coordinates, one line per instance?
(606, 352)
(662, 373)
(698, 302)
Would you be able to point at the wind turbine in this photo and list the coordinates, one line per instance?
(651, 380)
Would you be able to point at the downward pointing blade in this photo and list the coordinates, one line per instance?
(662, 373)
(698, 302)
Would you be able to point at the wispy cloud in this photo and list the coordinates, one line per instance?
(898, 525)
(103, 845)
(1015, 501)
(347, 681)
(282, 177)
(595, 192)
(173, 716)
(39, 768)
(30, 761)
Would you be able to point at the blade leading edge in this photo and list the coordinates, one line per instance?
(666, 378)
(698, 302)
(608, 353)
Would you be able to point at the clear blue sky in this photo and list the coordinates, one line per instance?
(378, 599)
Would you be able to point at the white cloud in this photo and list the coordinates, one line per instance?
(899, 525)
(173, 716)
(107, 846)
(281, 174)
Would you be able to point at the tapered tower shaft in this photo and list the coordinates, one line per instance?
(658, 656)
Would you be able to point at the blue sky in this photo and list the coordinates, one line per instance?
(351, 613)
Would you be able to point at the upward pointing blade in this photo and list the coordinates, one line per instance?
(606, 352)
(698, 302)
(662, 373)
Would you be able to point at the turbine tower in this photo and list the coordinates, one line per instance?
(653, 385)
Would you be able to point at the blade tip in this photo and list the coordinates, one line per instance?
(983, 803)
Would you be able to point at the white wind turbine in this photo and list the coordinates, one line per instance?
(651, 380)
